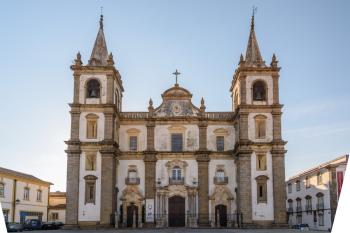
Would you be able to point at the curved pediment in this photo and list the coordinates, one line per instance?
(176, 103)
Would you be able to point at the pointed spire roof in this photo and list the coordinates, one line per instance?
(253, 57)
(99, 55)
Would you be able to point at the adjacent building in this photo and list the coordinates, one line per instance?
(312, 196)
(176, 164)
(23, 196)
(57, 206)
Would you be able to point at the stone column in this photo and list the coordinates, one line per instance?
(150, 135)
(279, 190)
(76, 88)
(243, 126)
(276, 118)
(242, 81)
(73, 164)
(275, 89)
(202, 126)
(203, 192)
(110, 89)
(109, 125)
(244, 187)
(108, 178)
(75, 119)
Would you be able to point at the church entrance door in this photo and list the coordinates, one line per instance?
(132, 216)
(176, 211)
(221, 216)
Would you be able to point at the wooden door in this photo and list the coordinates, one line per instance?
(221, 215)
(176, 211)
(131, 211)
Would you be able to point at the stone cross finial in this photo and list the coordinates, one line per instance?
(176, 73)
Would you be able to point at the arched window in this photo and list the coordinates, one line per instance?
(259, 91)
(176, 173)
(93, 89)
(39, 195)
(260, 126)
(91, 126)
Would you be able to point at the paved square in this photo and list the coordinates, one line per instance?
(178, 230)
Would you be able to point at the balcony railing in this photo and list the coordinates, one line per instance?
(320, 206)
(308, 207)
(177, 181)
(132, 181)
(299, 209)
(221, 180)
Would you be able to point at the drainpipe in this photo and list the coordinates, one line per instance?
(14, 190)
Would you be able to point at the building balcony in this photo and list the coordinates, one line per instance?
(132, 181)
(320, 206)
(177, 181)
(299, 209)
(308, 207)
(221, 180)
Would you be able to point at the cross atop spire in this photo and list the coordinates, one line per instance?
(176, 73)
(99, 55)
(253, 57)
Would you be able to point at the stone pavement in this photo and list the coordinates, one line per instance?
(177, 230)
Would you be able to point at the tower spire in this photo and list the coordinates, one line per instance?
(99, 55)
(253, 56)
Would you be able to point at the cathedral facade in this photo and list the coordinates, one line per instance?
(175, 164)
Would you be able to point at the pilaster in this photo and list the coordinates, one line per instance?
(75, 119)
(275, 89)
(276, 119)
(109, 125)
(243, 84)
(203, 190)
(110, 89)
(76, 88)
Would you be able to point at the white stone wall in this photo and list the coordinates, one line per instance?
(251, 127)
(312, 191)
(191, 171)
(61, 215)
(249, 83)
(262, 211)
(89, 211)
(124, 137)
(82, 89)
(123, 173)
(230, 172)
(83, 127)
(229, 138)
(163, 138)
(6, 201)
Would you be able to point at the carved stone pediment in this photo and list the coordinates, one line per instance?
(176, 103)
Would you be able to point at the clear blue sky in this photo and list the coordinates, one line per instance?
(149, 40)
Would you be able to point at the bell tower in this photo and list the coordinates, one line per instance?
(259, 148)
(92, 147)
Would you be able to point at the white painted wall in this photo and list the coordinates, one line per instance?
(229, 139)
(83, 127)
(89, 211)
(82, 89)
(124, 137)
(230, 170)
(163, 139)
(123, 173)
(262, 211)
(251, 127)
(191, 171)
(249, 83)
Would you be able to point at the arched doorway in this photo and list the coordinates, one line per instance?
(221, 215)
(176, 209)
(132, 216)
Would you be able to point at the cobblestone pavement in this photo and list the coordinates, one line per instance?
(177, 230)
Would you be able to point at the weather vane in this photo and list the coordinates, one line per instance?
(176, 73)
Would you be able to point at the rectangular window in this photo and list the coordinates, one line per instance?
(91, 128)
(297, 184)
(90, 162)
(319, 179)
(38, 195)
(54, 216)
(261, 190)
(176, 142)
(289, 188)
(90, 192)
(220, 143)
(307, 182)
(133, 143)
(321, 219)
(261, 162)
(26, 194)
(2, 190)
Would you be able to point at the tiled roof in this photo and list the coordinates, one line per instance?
(22, 175)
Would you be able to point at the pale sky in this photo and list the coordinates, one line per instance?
(149, 40)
